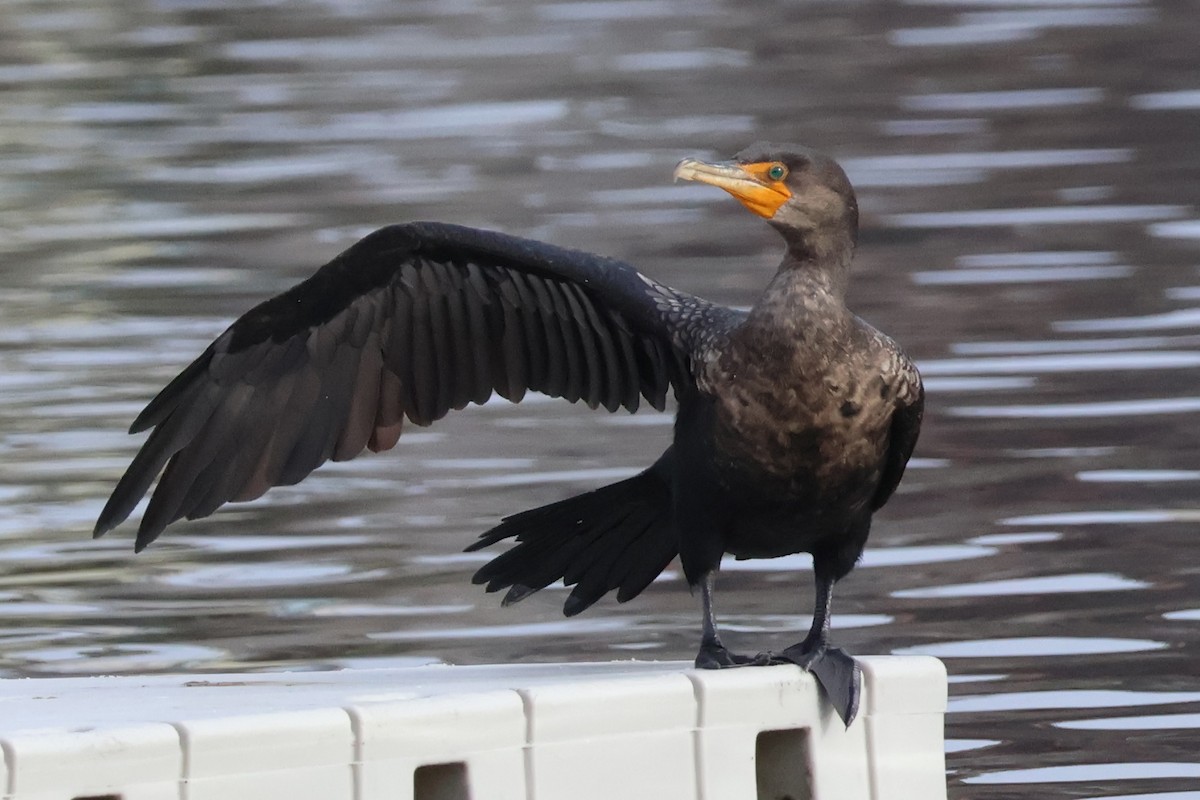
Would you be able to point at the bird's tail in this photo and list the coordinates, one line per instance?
(617, 537)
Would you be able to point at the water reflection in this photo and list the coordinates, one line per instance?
(1064, 699)
(1045, 584)
(1156, 722)
(1128, 517)
(102, 659)
(877, 557)
(1138, 475)
(1114, 408)
(260, 576)
(963, 745)
(1169, 101)
(1139, 770)
(517, 631)
(1076, 362)
(980, 277)
(1007, 100)
(1050, 215)
(1033, 646)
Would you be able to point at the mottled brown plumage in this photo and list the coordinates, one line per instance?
(795, 419)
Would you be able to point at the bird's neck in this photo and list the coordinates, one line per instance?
(805, 285)
(819, 260)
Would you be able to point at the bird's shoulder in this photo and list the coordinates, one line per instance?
(893, 363)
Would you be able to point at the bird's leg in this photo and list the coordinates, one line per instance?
(817, 640)
(713, 654)
(836, 671)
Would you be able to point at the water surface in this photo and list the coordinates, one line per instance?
(1028, 177)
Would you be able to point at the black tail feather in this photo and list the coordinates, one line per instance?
(618, 537)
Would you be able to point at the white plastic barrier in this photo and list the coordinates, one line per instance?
(523, 732)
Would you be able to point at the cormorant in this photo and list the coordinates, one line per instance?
(795, 419)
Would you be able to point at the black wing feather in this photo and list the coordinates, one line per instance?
(902, 440)
(477, 336)
(410, 322)
(555, 358)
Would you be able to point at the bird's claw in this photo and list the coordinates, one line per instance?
(716, 656)
(837, 672)
(799, 654)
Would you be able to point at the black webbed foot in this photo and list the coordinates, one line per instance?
(716, 656)
(836, 671)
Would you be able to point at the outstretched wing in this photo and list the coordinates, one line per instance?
(410, 322)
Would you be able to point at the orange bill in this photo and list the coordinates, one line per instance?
(749, 183)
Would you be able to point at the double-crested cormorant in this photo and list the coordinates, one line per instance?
(795, 419)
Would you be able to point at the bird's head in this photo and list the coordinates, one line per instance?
(803, 194)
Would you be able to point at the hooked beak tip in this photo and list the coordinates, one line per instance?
(685, 170)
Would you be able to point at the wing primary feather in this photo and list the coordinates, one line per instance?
(440, 337)
(515, 382)
(261, 475)
(365, 324)
(163, 508)
(364, 401)
(165, 441)
(309, 450)
(632, 383)
(276, 360)
(295, 409)
(465, 380)
(389, 420)
(614, 392)
(230, 468)
(454, 368)
(228, 367)
(592, 377)
(608, 389)
(397, 347)
(533, 334)
(185, 384)
(224, 427)
(422, 381)
(475, 297)
(494, 311)
(574, 373)
(654, 374)
(398, 351)
(555, 352)
(321, 424)
(338, 383)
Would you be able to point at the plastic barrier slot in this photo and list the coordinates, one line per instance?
(781, 765)
(441, 782)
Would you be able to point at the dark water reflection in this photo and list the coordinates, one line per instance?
(1028, 175)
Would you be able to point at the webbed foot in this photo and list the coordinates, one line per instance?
(836, 671)
(716, 656)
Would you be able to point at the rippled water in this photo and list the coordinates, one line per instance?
(1028, 174)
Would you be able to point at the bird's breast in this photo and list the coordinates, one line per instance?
(810, 419)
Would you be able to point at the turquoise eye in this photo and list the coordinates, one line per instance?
(777, 172)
